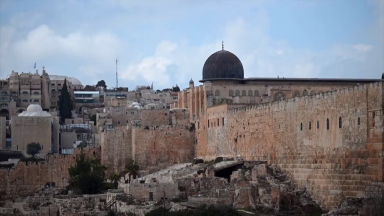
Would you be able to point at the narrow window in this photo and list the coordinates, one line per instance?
(373, 119)
(198, 125)
(358, 121)
(327, 124)
(310, 126)
(340, 122)
(218, 124)
(301, 126)
(17, 147)
(222, 122)
(208, 123)
(318, 125)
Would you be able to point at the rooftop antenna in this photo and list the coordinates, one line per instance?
(117, 79)
(222, 45)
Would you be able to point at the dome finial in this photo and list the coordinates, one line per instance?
(222, 45)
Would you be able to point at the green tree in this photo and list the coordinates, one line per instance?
(132, 168)
(102, 84)
(176, 88)
(87, 174)
(115, 177)
(33, 148)
(92, 118)
(65, 103)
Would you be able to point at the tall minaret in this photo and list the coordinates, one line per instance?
(152, 86)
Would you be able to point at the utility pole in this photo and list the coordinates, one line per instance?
(117, 78)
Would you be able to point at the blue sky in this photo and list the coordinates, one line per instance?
(167, 42)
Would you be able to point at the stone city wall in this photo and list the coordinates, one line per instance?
(116, 149)
(331, 143)
(28, 178)
(163, 146)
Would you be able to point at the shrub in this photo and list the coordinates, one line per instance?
(33, 148)
(197, 161)
(87, 174)
(218, 160)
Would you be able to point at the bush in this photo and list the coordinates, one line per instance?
(108, 185)
(33, 148)
(218, 160)
(197, 161)
(87, 174)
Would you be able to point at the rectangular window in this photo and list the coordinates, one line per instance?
(208, 123)
(198, 125)
(358, 121)
(218, 123)
(317, 124)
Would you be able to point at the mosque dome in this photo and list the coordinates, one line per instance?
(223, 65)
(34, 108)
(75, 81)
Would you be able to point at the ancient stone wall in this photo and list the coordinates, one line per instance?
(28, 178)
(164, 145)
(116, 149)
(331, 143)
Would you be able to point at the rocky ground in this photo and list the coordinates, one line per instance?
(253, 189)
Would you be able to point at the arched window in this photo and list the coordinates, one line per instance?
(243, 93)
(217, 93)
(327, 124)
(237, 93)
(340, 122)
(313, 92)
(305, 93)
(301, 126)
(256, 93)
(250, 93)
(310, 126)
(231, 93)
(297, 94)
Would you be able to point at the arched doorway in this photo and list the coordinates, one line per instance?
(4, 112)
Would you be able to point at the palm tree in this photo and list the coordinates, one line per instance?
(115, 177)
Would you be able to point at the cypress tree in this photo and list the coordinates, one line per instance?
(65, 103)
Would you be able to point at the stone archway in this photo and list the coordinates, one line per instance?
(4, 112)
